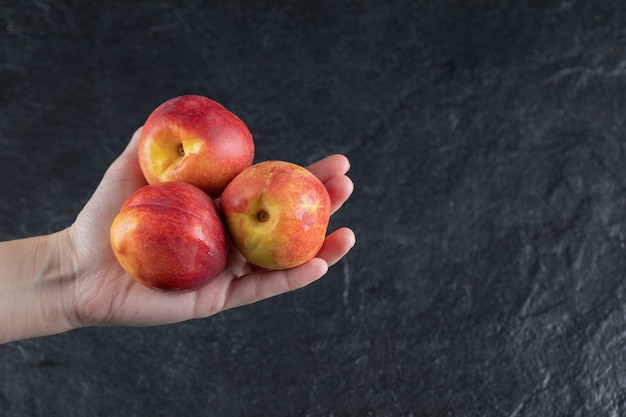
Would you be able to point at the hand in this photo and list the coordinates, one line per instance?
(103, 294)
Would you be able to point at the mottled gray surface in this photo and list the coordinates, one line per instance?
(487, 142)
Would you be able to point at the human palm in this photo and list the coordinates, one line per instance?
(105, 295)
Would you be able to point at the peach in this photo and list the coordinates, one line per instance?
(277, 214)
(194, 139)
(170, 237)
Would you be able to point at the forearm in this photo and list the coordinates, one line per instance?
(35, 287)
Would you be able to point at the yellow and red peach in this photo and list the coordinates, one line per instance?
(194, 139)
(277, 214)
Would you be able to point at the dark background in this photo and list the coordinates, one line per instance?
(487, 148)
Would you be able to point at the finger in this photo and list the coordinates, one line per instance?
(125, 171)
(121, 179)
(339, 189)
(337, 245)
(258, 286)
(330, 166)
(133, 144)
(128, 159)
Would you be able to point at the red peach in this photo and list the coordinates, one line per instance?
(170, 236)
(194, 139)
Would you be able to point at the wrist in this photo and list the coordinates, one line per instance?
(61, 278)
(36, 294)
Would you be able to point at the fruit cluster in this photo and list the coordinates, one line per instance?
(173, 236)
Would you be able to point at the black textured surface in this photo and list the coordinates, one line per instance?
(487, 143)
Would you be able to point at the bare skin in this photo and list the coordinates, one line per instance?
(70, 279)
